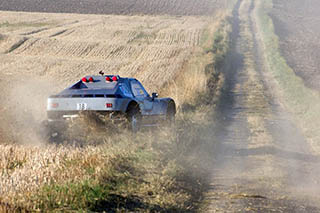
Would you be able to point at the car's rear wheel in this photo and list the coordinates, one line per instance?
(134, 118)
(171, 114)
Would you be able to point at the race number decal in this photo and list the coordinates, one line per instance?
(81, 106)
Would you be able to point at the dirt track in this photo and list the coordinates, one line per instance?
(262, 161)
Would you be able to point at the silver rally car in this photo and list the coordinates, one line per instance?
(111, 95)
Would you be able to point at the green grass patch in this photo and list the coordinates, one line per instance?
(85, 195)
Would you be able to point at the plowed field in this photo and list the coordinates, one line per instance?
(175, 7)
(297, 25)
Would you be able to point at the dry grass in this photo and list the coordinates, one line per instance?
(200, 74)
(53, 177)
(161, 170)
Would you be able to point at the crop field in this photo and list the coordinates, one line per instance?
(296, 24)
(43, 53)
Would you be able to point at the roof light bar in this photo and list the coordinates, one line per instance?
(84, 80)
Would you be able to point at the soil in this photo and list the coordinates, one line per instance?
(262, 162)
(296, 24)
(124, 7)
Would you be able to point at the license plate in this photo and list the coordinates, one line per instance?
(81, 106)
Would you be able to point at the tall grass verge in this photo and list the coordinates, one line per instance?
(302, 101)
(199, 79)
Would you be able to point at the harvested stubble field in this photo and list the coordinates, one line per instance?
(93, 168)
(297, 25)
(70, 46)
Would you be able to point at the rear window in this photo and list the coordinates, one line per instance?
(88, 96)
(76, 96)
(99, 95)
(137, 90)
(125, 90)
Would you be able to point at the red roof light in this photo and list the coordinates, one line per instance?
(84, 79)
(90, 79)
(114, 78)
(108, 78)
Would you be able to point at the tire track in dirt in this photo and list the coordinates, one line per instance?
(261, 156)
(16, 45)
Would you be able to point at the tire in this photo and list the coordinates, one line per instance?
(171, 114)
(134, 118)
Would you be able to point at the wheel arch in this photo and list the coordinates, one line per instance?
(171, 105)
(132, 104)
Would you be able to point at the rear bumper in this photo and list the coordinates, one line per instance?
(70, 115)
(87, 104)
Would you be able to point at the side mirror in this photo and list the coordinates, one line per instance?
(154, 95)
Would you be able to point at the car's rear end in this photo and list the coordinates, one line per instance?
(69, 106)
(93, 94)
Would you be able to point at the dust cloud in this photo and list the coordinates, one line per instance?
(23, 108)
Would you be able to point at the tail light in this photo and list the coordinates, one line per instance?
(90, 79)
(114, 78)
(108, 78)
(54, 105)
(109, 105)
(84, 80)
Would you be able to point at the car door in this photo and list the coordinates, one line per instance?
(142, 96)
